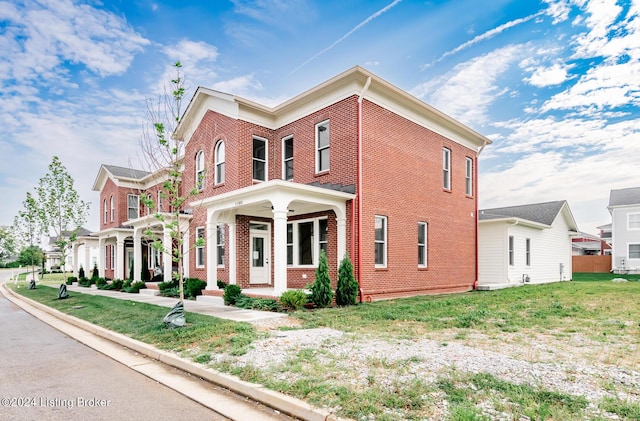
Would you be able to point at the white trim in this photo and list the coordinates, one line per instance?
(327, 126)
(315, 250)
(285, 159)
(216, 162)
(446, 168)
(217, 245)
(629, 221)
(199, 167)
(385, 241)
(629, 251)
(425, 245)
(266, 158)
(200, 249)
(137, 196)
(113, 211)
(468, 186)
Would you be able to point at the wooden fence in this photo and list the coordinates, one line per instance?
(592, 264)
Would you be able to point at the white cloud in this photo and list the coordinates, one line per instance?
(558, 10)
(548, 76)
(240, 85)
(470, 88)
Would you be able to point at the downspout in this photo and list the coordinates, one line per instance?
(359, 190)
(475, 176)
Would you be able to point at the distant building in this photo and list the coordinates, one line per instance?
(624, 207)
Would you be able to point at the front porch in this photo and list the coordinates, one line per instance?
(276, 230)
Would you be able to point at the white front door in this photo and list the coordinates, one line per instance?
(259, 256)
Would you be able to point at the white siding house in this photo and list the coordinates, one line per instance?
(624, 206)
(525, 244)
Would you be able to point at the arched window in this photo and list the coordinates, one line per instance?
(112, 209)
(104, 206)
(200, 170)
(219, 162)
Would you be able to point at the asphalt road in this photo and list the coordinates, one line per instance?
(45, 375)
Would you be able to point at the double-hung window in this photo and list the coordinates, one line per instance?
(422, 244)
(113, 256)
(104, 206)
(259, 159)
(322, 146)
(287, 158)
(113, 209)
(199, 248)
(133, 206)
(219, 162)
(305, 240)
(468, 186)
(159, 200)
(633, 221)
(380, 241)
(220, 244)
(200, 170)
(511, 261)
(446, 169)
(634, 251)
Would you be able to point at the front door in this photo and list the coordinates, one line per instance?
(260, 252)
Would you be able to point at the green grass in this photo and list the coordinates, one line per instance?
(589, 307)
(143, 322)
(602, 277)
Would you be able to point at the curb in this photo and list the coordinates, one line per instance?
(276, 400)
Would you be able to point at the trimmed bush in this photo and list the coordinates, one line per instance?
(347, 289)
(85, 282)
(221, 284)
(193, 287)
(321, 293)
(263, 304)
(81, 272)
(115, 285)
(231, 293)
(145, 274)
(95, 273)
(71, 280)
(293, 299)
(101, 282)
(134, 287)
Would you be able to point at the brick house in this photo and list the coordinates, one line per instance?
(353, 166)
(123, 247)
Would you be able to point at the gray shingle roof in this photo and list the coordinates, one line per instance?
(623, 197)
(543, 213)
(126, 172)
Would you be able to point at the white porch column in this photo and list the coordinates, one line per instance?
(119, 258)
(137, 254)
(185, 252)
(231, 251)
(101, 253)
(74, 256)
(87, 255)
(212, 252)
(279, 250)
(167, 258)
(342, 238)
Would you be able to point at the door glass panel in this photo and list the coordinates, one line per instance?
(258, 252)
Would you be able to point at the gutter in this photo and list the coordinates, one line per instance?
(359, 192)
(475, 176)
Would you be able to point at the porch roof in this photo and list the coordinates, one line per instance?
(258, 199)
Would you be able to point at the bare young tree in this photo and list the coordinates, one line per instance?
(162, 152)
(28, 227)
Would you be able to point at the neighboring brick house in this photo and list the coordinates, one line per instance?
(124, 249)
(354, 166)
(624, 207)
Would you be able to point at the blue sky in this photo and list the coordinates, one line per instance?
(554, 83)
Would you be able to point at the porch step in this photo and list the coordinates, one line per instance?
(211, 299)
(148, 291)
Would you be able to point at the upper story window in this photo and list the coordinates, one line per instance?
(287, 158)
(633, 221)
(422, 244)
(634, 251)
(219, 162)
(468, 187)
(259, 159)
(446, 169)
(149, 204)
(381, 241)
(104, 206)
(113, 209)
(159, 200)
(133, 206)
(322, 146)
(200, 170)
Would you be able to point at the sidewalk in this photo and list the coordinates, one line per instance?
(208, 305)
(149, 361)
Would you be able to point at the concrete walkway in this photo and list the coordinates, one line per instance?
(209, 305)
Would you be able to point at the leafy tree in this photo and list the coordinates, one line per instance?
(7, 243)
(164, 152)
(60, 209)
(31, 256)
(28, 227)
(321, 293)
(347, 288)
